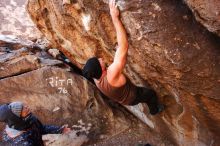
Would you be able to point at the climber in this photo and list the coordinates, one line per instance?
(23, 128)
(111, 81)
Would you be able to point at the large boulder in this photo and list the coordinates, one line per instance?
(168, 50)
(58, 96)
(18, 57)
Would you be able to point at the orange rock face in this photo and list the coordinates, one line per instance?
(168, 50)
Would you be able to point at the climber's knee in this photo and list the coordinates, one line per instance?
(148, 96)
(145, 95)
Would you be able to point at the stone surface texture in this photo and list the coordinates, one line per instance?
(58, 96)
(15, 20)
(207, 12)
(168, 50)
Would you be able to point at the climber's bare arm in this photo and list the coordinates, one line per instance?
(115, 69)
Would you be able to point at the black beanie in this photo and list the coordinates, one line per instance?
(92, 69)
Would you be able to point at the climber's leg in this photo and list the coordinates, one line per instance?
(148, 96)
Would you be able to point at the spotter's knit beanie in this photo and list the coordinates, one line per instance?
(16, 108)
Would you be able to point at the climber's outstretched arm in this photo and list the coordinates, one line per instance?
(119, 62)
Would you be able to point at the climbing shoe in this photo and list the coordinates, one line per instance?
(155, 110)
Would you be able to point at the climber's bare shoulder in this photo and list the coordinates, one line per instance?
(115, 77)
